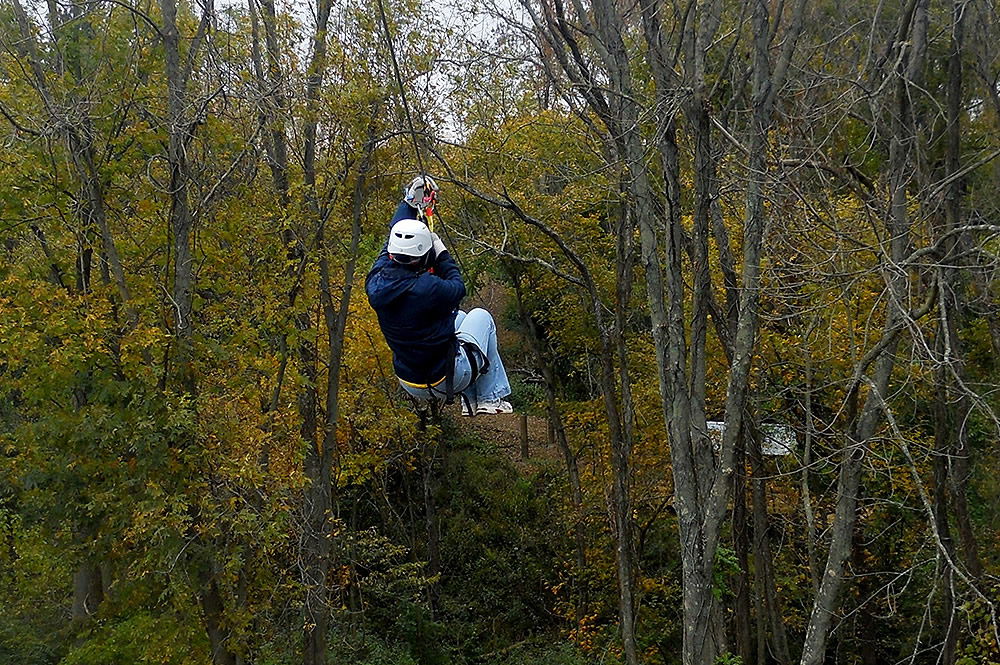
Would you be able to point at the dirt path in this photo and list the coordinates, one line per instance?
(505, 431)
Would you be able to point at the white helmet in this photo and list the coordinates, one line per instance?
(421, 193)
(409, 238)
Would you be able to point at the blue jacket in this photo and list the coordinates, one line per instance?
(416, 311)
(403, 211)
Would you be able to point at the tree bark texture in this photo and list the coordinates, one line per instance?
(180, 213)
(741, 544)
(942, 451)
(317, 539)
(763, 556)
(88, 590)
(953, 303)
(214, 610)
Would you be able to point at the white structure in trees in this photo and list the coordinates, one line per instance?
(778, 440)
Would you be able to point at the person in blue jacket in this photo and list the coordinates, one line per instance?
(415, 288)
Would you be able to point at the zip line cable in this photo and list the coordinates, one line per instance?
(409, 118)
(399, 82)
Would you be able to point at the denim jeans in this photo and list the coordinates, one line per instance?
(476, 327)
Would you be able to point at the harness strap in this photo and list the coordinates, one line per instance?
(479, 356)
(449, 377)
(478, 364)
(424, 386)
(472, 353)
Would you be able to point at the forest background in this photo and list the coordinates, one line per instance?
(765, 213)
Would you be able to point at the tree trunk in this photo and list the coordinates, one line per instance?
(621, 462)
(943, 428)
(807, 509)
(741, 543)
(317, 543)
(763, 557)
(953, 405)
(180, 133)
(705, 187)
(214, 612)
(276, 105)
(88, 590)
(523, 429)
(180, 213)
(952, 301)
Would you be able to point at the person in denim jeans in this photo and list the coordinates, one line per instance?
(415, 288)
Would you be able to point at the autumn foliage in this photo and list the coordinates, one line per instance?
(697, 225)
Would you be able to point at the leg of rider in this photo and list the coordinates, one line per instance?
(478, 327)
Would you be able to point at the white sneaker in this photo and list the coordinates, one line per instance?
(492, 406)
